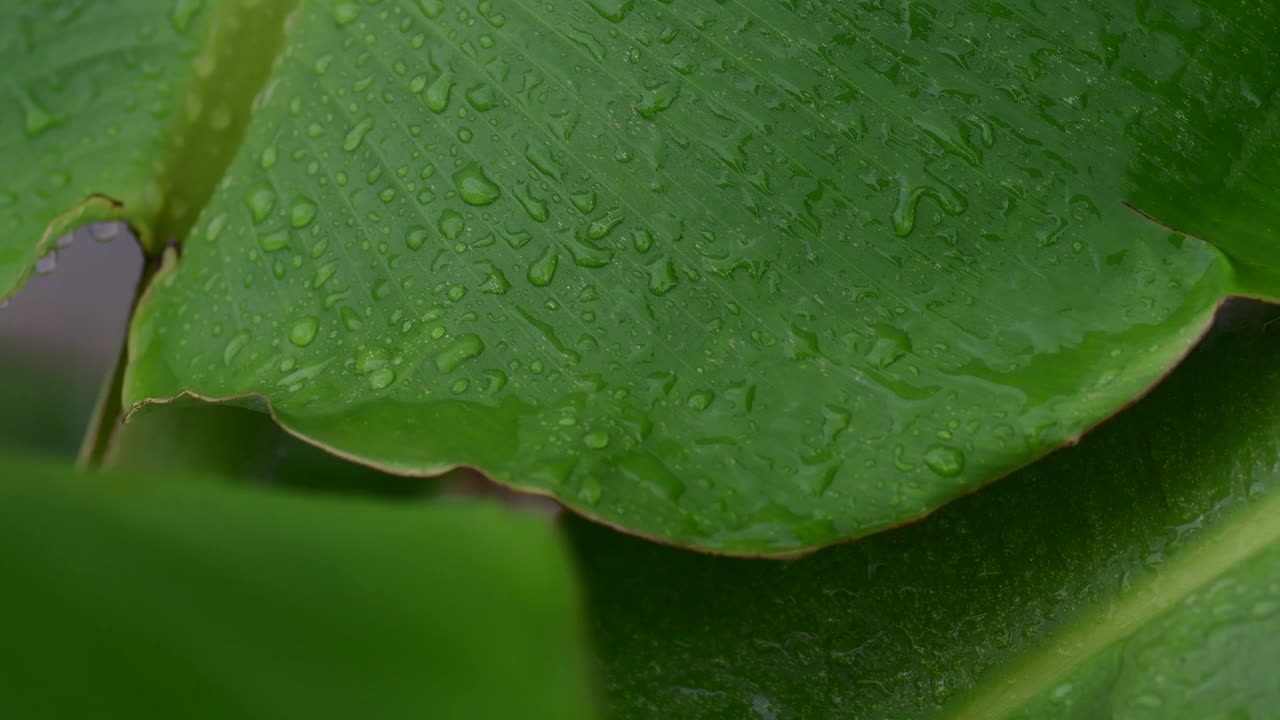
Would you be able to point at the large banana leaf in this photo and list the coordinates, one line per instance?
(1136, 576)
(171, 597)
(748, 276)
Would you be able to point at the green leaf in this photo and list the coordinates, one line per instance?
(1135, 576)
(136, 597)
(752, 277)
(121, 109)
(243, 445)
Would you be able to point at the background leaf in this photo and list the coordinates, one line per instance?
(120, 109)
(1137, 575)
(171, 596)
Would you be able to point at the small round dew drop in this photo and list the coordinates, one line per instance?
(596, 440)
(260, 200)
(304, 331)
(346, 13)
(945, 461)
(381, 378)
(302, 212)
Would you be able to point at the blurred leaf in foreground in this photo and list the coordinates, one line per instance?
(136, 597)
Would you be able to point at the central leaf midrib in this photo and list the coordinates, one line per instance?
(1241, 536)
(244, 39)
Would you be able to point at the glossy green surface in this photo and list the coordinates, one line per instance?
(1133, 576)
(120, 109)
(749, 277)
(173, 597)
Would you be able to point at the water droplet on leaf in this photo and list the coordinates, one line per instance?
(304, 331)
(274, 241)
(234, 346)
(350, 319)
(302, 212)
(543, 270)
(662, 277)
(215, 227)
(36, 119)
(261, 200)
(482, 97)
(345, 13)
(431, 8)
(474, 186)
(615, 11)
(701, 399)
(437, 95)
(458, 352)
(356, 134)
(533, 205)
(183, 11)
(381, 378)
(324, 273)
(48, 263)
(416, 238)
(944, 460)
(451, 224)
(890, 345)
